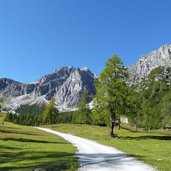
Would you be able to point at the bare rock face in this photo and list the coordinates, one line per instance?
(13, 88)
(72, 89)
(160, 57)
(66, 85)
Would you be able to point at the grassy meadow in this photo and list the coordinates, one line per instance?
(25, 148)
(152, 147)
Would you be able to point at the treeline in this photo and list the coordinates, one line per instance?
(37, 119)
(74, 117)
(24, 119)
(31, 109)
(51, 115)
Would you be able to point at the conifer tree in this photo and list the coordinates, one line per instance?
(50, 113)
(111, 90)
(84, 111)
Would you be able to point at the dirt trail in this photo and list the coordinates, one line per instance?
(96, 157)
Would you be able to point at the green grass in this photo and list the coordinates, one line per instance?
(26, 148)
(152, 147)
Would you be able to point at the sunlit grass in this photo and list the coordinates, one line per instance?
(152, 147)
(26, 148)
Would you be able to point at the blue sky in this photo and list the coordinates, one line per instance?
(38, 36)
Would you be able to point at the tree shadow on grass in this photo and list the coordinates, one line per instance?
(13, 131)
(131, 130)
(56, 161)
(104, 159)
(166, 138)
(31, 140)
(64, 161)
(9, 148)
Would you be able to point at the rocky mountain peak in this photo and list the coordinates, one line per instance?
(84, 69)
(66, 84)
(165, 50)
(160, 57)
(64, 69)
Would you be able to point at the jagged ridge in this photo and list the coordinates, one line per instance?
(160, 57)
(66, 85)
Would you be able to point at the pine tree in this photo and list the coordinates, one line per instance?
(111, 90)
(50, 113)
(165, 107)
(84, 112)
(134, 106)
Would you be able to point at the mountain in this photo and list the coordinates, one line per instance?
(160, 57)
(65, 84)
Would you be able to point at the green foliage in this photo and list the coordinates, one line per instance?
(24, 119)
(50, 114)
(152, 109)
(34, 115)
(30, 115)
(165, 108)
(135, 101)
(84, 115)
(111, 90)
(100, 117)
(67, 117)
(30, 109)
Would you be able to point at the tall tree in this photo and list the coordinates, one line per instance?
(134, 107)
(50, 113)
(111, 90)
(166, 109)
(84, 111)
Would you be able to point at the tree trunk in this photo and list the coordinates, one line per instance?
(119, 126)
(112, 124)
(111, 128)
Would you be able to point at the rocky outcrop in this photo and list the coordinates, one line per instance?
(66, 85)
(11, 88)
(160, 57)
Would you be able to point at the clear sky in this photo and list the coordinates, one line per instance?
(39, 36)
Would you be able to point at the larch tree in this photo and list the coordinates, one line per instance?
(84, 111)
(50, 113)
(111, 91)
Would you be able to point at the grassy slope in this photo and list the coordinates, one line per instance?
(24, 148)
(152, 147)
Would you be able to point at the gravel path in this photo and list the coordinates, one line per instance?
(96, 157)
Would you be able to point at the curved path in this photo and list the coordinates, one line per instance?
(97, 157)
